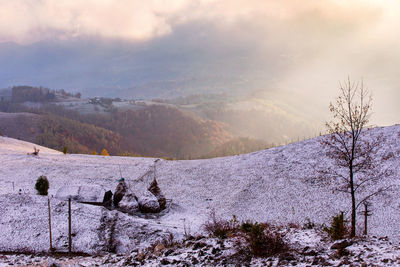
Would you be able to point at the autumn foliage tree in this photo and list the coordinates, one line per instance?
(104, 152)
(357, 169)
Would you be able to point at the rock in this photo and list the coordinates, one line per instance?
(215, 250)
(168, 252)
(199, 245)
(286, 257)
(310, 253)
(148, 203)
(128, 204)
(195, 261)
(341, 244)
(345, 262)
(165, 262)
(320, 261)
(52, 263)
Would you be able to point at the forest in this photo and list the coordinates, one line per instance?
(153, 131)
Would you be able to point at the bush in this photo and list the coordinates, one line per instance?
(251, 238)
(308, 224)
(42, 185)
(338, 229)
(220, 228)
(65, 150)
(261, 239)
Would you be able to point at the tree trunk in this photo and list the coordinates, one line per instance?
(353, 203)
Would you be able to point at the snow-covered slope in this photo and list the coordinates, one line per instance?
(270, 185)
(9, 146)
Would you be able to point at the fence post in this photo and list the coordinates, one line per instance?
(366, 213)
(69, 227)
(48, 204)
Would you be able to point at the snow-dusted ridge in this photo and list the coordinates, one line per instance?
(270, 185)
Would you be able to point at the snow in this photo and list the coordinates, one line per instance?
(274, 185)
(128, 203)
(83, 193)
(148, 202)
(206, 251)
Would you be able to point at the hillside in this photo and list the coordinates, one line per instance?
(157, 131)
(21, 125)
(259, 116)
(274, 185)
(56, 132)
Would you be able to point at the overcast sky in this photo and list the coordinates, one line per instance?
(303, 47)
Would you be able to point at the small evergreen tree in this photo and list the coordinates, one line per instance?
(42, 185)
(338, 229)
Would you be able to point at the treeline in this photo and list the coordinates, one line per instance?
(21, 94)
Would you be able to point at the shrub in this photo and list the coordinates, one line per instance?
(250, 238)
(220, 228)
(338, 228)
(308, 224)
(262, 240)
(65, 150)
(42, 185)
(293, 225)
(169, 241)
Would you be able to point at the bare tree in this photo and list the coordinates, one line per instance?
(356, 171)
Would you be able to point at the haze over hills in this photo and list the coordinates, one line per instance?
(185, 127)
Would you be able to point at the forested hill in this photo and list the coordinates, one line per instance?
(156, 131)
(55, 119)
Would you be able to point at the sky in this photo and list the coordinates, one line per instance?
(303, 48)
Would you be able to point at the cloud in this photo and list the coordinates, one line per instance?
(34, 20)
(304, 47)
